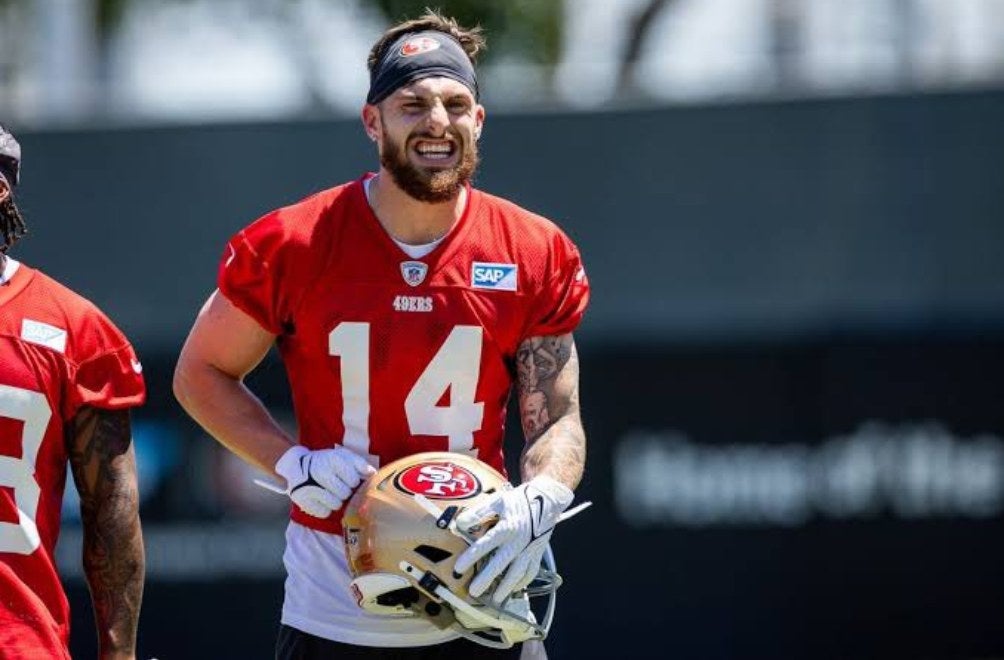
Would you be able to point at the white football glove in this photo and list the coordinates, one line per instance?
(526, 515)
(320, 481)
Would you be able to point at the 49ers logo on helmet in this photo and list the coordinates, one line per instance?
(418, 45)
(439, 481)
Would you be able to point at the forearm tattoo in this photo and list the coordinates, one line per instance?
(547, 372)
(104, 469)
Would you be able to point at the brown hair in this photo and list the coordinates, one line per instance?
(471, 39)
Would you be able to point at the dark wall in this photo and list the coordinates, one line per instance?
(791, 369)
(753, 219)
(839, 498)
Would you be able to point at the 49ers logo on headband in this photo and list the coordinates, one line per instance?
(439, 480)
(418, 45)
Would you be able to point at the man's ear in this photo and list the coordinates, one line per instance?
(479, 121)
(371, 121)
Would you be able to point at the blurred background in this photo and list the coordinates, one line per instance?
(792, 213)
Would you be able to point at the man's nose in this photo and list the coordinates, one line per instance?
(438, 119)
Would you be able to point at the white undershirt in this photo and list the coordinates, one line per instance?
(10, 267)
(413, 251)
(418, 251)
(319, 601)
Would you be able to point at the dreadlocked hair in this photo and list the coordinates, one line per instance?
(12, 225)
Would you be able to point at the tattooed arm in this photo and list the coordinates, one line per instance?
(104, 469)
(548, 384)
(547, 375)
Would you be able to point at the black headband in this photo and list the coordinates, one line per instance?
(419, 55)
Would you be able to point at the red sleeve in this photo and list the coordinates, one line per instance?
(250, 273)
(111, 380)
(564, 294)
(108, 373)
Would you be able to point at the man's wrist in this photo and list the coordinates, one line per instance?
(288, 464)
(558, 492)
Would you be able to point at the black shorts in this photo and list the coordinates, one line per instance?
(295, 644)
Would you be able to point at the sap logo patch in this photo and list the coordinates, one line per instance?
(43, 334)
(501, 277)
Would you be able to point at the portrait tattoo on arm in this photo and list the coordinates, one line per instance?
(547, 374)
(104, 469)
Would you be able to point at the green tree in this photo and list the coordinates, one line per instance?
(107, 14)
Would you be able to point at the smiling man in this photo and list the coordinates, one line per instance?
(406, 306)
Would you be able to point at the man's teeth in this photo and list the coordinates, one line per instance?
(435, 150)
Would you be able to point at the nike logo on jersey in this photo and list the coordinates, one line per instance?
(43, 334)
(501, 277)
(413, 303)
(137, 366)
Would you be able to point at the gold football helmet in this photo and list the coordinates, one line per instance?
(401, 542)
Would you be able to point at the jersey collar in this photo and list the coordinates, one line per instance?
(15, 277)
(445, 246)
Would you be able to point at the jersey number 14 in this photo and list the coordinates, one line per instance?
(455, 367)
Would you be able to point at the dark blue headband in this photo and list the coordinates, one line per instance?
(418, 55)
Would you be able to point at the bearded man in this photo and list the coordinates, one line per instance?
(406, 305)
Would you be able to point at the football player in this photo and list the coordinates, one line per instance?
(68, 378)
(405, 304)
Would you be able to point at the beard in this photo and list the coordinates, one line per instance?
(430, 185)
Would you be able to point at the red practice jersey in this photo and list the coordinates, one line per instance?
(58, 352)
(390, 355)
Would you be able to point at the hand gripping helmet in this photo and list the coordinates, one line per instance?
(401, 542)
